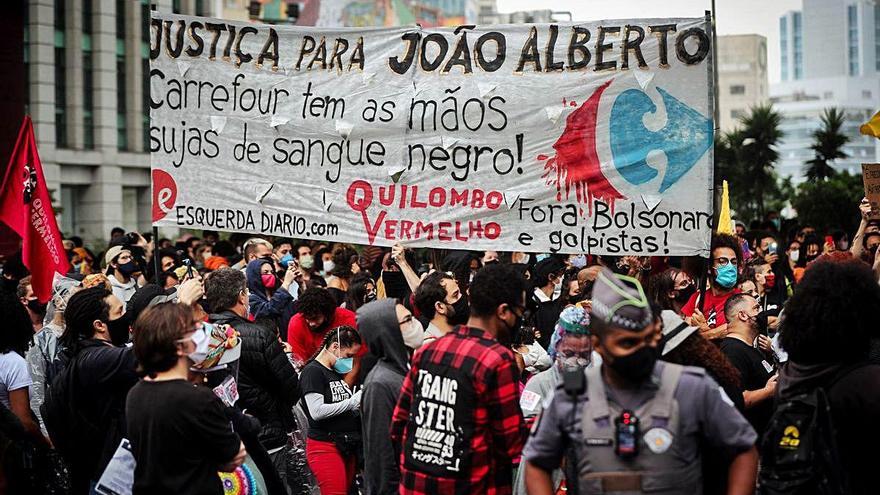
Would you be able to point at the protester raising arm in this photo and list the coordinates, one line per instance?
(865, 210)
(412, 278)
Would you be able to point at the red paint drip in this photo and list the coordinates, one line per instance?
(576, 163)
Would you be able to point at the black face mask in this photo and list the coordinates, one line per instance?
(118, 330)
(512, 332)
(395, 285)
(636, 367)
(761, 322)
(127, 269)
(685, 293)
(461, 312)
(36, 306)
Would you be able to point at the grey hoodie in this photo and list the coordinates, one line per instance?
(378, 325)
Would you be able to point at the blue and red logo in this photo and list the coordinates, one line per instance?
(576, 167)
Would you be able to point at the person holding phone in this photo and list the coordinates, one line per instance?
(270, 296)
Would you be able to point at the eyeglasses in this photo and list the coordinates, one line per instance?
(722, 261)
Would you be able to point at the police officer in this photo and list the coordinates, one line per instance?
(635, 425)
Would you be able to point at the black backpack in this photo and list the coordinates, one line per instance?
(799, 452)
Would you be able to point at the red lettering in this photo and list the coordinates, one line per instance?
(386, 195)
(351, 195)
(493, 230)
(476, 229)
(437, 197)
(458, 235)
(477, 198)
(402, 196)
(405, 227)
(389, 228)
(425, 228)
(443, 231)
(413, 202)
(494, 200)
(459, 198)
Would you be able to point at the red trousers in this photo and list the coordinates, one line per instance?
(327, 465)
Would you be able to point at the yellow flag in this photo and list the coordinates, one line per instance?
(872, 127)
(725, 225)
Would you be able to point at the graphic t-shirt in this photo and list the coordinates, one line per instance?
(317, 379)
(754, 370)
(713, 309)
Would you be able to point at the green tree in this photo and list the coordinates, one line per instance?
(828, 146)
(745, 157)
(831, 203)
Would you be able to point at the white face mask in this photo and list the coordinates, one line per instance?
(794, 255)
(202, 342)
(413, 334)
(557, 289)
(329, 266)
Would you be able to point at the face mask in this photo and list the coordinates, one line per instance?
(579, 261)
(202, 342)
(268, 280)
(557, 289)
(461, 312)
(329, 266)
(306, 261)
(413, 334)
(118, 330)
(794, 256)
(574, 363)
(370, 297)
(843, 245)
(286, 259)
(770, 280)
(513, 331)
(726, 276)
(811, 257)
(127, 268)
(685, 293)
(541, 257)
(636, 367)
(36, 306)
(343, 365)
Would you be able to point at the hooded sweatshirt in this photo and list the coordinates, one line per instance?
(378, 325)
(279, 307)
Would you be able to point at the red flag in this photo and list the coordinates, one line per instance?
(25, 206)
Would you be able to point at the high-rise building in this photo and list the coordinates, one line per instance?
(358, 13)
(88, 96)
(830, 57)
(742, 76)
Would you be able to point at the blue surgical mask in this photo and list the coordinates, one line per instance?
(343, 365)
(579, 261)
(726, 276)
(286, 259)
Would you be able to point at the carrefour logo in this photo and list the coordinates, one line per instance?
(576, 170)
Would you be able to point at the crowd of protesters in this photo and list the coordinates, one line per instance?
(271, 365)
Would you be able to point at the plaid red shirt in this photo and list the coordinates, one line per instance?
(458, 422)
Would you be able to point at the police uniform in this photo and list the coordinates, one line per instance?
(679, 408)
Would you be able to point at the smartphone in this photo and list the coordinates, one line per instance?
(189, 269)
(829, 240)
(772, 248)
(292, 264)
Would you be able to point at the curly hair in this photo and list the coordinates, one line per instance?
(317, 301)
(831, 317)
(727, 241)
(493, 286)
(697, 351)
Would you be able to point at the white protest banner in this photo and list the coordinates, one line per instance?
(591, 137)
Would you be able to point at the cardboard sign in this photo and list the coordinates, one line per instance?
(592, 137)
(871, 177)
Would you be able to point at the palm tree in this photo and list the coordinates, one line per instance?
(756, 152)
(828, 146)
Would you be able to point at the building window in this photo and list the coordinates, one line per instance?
(200, 8)
(70, 200)
(88, 77)
(121, 88)
(852, 38)
(798, 47)
(737, 114)
(877, 36)
(783, 46)
(175, 7)
(737, 89)
(60, 76)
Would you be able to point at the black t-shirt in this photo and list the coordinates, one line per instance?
(179, 436)
(754, 370)
(316, 378)
(855, 407)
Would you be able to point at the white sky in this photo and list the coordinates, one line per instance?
(733, 16)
